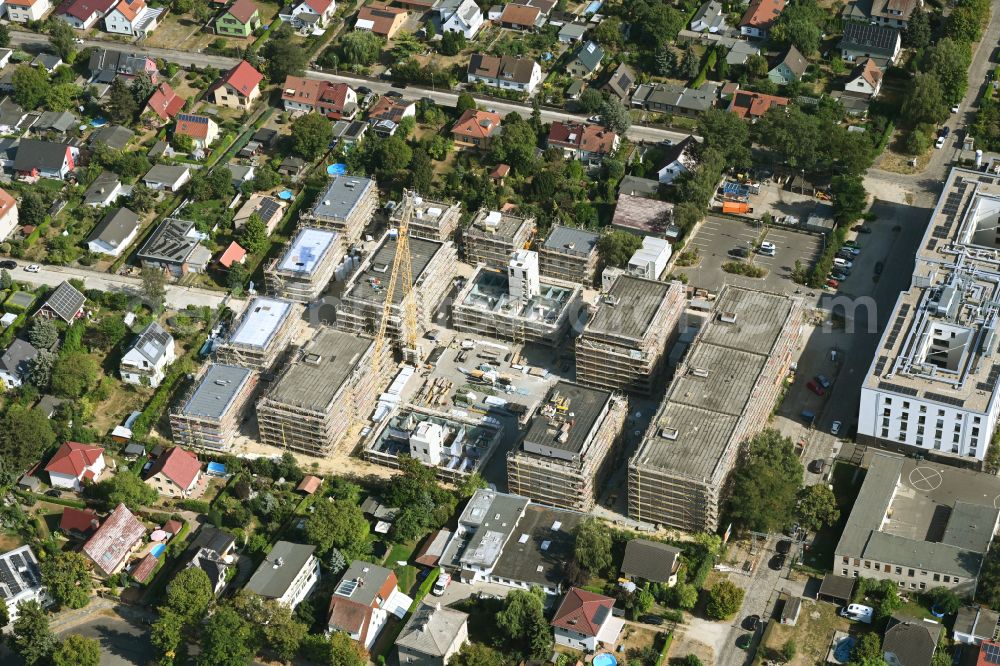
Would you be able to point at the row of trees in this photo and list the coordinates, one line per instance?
(32, 639)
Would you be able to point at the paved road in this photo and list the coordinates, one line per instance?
(441, 97)
(177, 296)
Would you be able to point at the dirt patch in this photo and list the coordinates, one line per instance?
(180, 32)
(899, 163)
(683, 645)
(10, 542)
(811, 634)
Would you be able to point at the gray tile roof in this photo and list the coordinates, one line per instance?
(113, 136)
(152, 342)
(431, 630)
(115, 228)
(650, 560)
(372, 577)
(99, 189)
(589, 55)
(17, 359)
(38, 154)
(165, 173)
(57, 121)
(913, 641)
(279, 569)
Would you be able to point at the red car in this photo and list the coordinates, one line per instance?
(833, 283)
(815, 388)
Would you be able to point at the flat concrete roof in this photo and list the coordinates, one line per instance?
(490, 518)
(342, 196)
(307, 250)
(372, 281)
(629, 307)
(216, 391)
(489, 290)
(571, 240)
(586, 405)
(321, 369)
(494, 224)
(542, 557)
(274, 575)
(760, 318)
(259, 323)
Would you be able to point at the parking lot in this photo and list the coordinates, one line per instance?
(718, 239)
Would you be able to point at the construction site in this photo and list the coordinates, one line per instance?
(304, 270)
(454, 446)
(210, 412)
(569, 254)
(722, 394)
(433, 220)
(492, 237)
(347, 206)
(430, 272)
(567, 451)
(331, 384)
(516, 305)
(264, 331)
(624, 343)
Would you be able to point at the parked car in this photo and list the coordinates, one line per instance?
(851, 243)
(767, 248)
(364, 90)
(878, 267)
(823, 381)
(954, 109)
(441, 584)
(840, 276)
(945, 131)
(740, 252)
(815, 388)
(655, 620)
(751, 622)
(835, 428)
(833, 284)
(940, 142)
(744, 641)
(845, 263)
(594, 119)
(9, 264)
(783, 546)
(777, 562)
(851, 250)
(53, 493)
(32, 268)
(817, 466)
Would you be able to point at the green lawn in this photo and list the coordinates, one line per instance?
(407, 574)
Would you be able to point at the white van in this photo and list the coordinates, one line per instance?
(858, 613)
(441, 584)
(767, 248)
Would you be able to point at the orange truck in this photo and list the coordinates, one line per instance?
(736, 207)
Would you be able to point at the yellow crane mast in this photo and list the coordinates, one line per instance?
(402, 269)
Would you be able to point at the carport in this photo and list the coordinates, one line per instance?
(836, 589)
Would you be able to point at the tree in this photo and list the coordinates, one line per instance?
(466, 102)
(311, 135)
(516, 145)
(523, 621)
(452, 43)
(608, 33)
(421, 171)
(154, 286)
(182, 143)
(66, 577)
(190, 595)
(31, 85)
(616, 247)
(24, 434)
(284, 58)
(73, 375)
(729, 135)
(394, 154)
(925, 102)
(43, 333)
(282, 633)
(917, 34)
(167, 635)
(126, 488)
(800, 26)
(949, 61)
(665, 61)
(944, 600)
(360, 48)
(765, 484)
(336, 525)
(61, 37)
(849, 198)
(121, 106)
(867, 649)
(110, 332)
(6, 281)
(77, 650)
(615, 116)
(4, 37)
(227, 639)
(62, 97)
(33, 639)
(643, 601)
(689, 64)
(788, 650)
(593, 546)
(684, 596)
(142, 198)
(591, 100)
(337, 649)
(724, 600)
(254, 236)
(142, 88)
(690, 660)
(817, 507)
(477, 654)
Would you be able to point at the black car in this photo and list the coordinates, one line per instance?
(783, 546)
(364, 90)
(429, 101)
(839, 275)
(751, 622)
(399, 85)
(878, 267)
(8, 264)
(393, 93)
(54, 493)
(740, 252)
(777, 562)
(655, 620)
(817, 466)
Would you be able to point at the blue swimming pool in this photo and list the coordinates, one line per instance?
(594, 7)
(605, 659)
(158, 549)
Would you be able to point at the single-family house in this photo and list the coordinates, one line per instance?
(115, 137)
(114, 541)
(710, 17)
(586, 61)
(22, 580)
(214, 552)
(476, 129)
(234, 254)
(11, 116)
(864, 40)
(132, 17)
(269, 209)
(791, 67)
(44, 159)
(363, 600)
(462, 16)
(167, 177)
(8, 214)
(105, 66)
(288, 574)
(675, 99)
(239, 88)
(306, 15)
(114, 232)
(58, 122)
(865, 81)
(891, 13)
(581, 141)
(620, 83)
(78, 522)
(507, 72)
(22, 11)
(391, 108)
(517, 16)
(292, 167)
(175, 473)
(910, 642)
(146, 361)
(336, 101)
(83, 14)
(651, 561)
(202, 130)
(240, 19)
(585, 621)
(380, 19)
(165, 103)
(47, 61)
(571, 32)
(759, 17)
(678, 159)
(241, 173)
(753, 105)
(75, 463)
(16, 362)
(432, 635)
(65, 303)
(176, 247)
(975, 624)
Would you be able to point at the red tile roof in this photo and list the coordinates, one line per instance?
(475, 123)
(145, 568)
(870, 72)
(519, 15)
(114, 540)
(7, 203)
(500, 171)
(309, 484)
(762, 13)
(747, 104)
(302, 90)
(83, 9)
(243, 78)
(80, 520)
(389, 108)
(130, 8)
(165, 102)
(73, 459)
(193, 125)
(591, 138)
(234, 254)
(242, 10)
(383, 18)
(583, 612)
(319, 6)
(173, 526)
(178, 465)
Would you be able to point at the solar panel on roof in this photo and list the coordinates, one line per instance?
(990, 652)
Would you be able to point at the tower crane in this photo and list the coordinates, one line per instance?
(401, 276)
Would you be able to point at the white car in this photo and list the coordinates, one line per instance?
(441, 584)
(954, 109)
(32, 268)
(835, 428)
(768, 248)
(594, 119)
(940, 142)
(843, 263)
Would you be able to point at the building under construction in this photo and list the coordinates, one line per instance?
(434, 220)
(360, 310)
(209, 415)
(263, 332)
(721, 395)
(306, 267)
(568, 448)
(454, 446)
(569, 254)
(516, 304)
(492, 237)
(347, 206)
(623, 345)
(331, 383)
